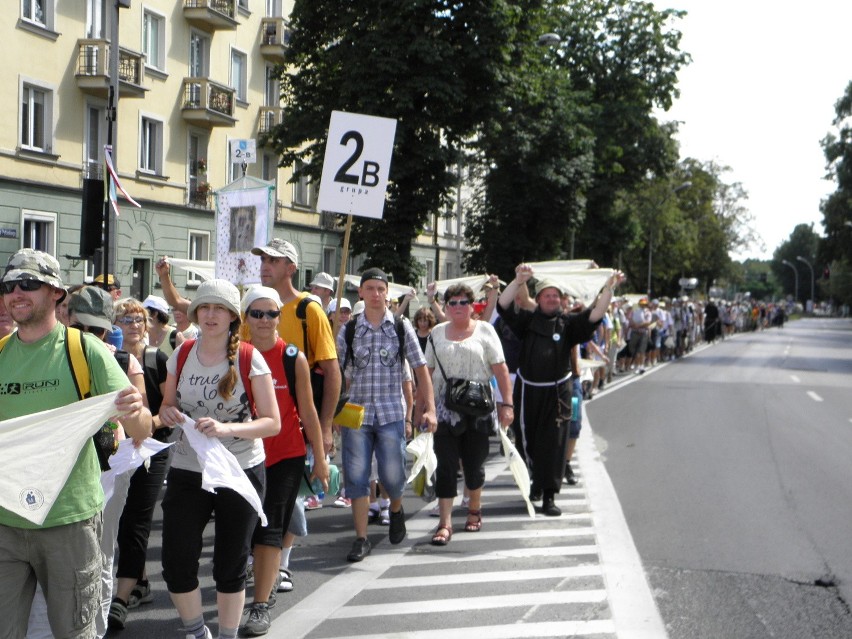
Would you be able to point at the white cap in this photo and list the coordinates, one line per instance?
(260, 293)
(344, 303)
(358, 308)
(323, 280)
(157, 303)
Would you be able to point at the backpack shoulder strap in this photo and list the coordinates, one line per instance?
(349, 337)
(3, 341)
(399, 324)
(245, 356)
(123, 359)
(79, 364)
(149, 359)
(302, 314)
(291, 352)
(173, 339)
(183, 353)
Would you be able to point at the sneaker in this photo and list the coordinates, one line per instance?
(396, 533)
(313, 503)
(285, 583)
(273, 595)
(140, 594)
(361, 547)
(117, 618)
(207, 634)
(342, 502)
(258, 622)
(384, 517)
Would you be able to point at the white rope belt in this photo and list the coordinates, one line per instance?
(524, 384)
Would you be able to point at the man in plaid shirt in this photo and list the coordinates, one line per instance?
(376, 371)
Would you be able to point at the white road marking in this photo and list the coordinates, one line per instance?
(514, 553)
(814, 396)
(515, 631)
(795, 378)
(563, 572)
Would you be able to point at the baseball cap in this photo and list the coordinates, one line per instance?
(260, 293)
(215, 292)
(358, 308)
(374, 274)
(344, 303)
(323, 280)
(156, 303)
(278, 248)
(93, 306)
(30, 264)
(111, 280)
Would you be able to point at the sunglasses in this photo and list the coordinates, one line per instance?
(458, 303)
(127, 321)
(24, 285)
(256, 314)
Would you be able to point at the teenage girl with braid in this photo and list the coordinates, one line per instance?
(209, 389)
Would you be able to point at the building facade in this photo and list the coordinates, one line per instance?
(194, 75)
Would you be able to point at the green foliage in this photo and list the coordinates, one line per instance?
(803, 242)
(837, 207)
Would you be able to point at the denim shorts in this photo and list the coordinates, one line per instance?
(387, 441)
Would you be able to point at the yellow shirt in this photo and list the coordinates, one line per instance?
(319, 331)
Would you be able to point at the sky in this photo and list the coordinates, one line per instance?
(759, 96)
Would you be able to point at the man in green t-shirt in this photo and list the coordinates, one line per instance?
(63, 554)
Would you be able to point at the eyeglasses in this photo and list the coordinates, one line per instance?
(25, 285)
(458, 302)
(127, 321)
(257, 314)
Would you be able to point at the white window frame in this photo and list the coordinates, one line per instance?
(301, 188)
(271, 88)
(151, 16)
(203, 67)
(98, 160)
(44, 21)
(239, 84)
(274, 9)
(96, 19)
(150, 160)
(193, 178)
(39, 217)
(193, 236)
(27, 87)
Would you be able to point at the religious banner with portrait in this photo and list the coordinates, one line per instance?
(243, 210)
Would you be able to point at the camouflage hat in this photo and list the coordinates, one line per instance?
(29, 264)
(278, 248)
(93, 306)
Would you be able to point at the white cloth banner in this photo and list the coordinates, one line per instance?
(242, 222)
(127, 459)
(422, 447)
(219, 467)
(38, 452)
(203, 269)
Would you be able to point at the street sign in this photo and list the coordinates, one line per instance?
(243, 152)
(356, 164)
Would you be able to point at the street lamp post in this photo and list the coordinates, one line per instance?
(671, 192)
(796, 273)
(810, 266)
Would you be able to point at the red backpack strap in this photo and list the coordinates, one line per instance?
(183, 353)
(246, 351)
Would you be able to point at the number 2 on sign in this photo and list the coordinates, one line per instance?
(369, 171)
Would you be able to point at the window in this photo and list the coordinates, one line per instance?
(449, 218)
(269, 168)
(273, 9)
(39, 231)
(271, 94)
(198, 249)
(96, 19)
(199, 187)
(301, 188)
(151, 146)
(154, 40)
(328, 255)
(199, 55)
(238, 73)
(429, 275)
(39, 12)
(36, 117)
(95, 128)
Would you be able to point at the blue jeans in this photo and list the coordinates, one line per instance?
(387, 441)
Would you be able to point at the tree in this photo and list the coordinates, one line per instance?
(803, 242)
(433, 65)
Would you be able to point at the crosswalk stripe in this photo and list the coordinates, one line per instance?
(571, 628)
(527, 535)
(513, 600)
(565, 572)
(421, 559)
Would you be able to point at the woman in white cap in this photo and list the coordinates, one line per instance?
(285, 452)
(160, 333)
(209, 381)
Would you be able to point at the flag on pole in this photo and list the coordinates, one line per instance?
(114, 183)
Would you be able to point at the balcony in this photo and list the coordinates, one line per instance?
(93, 70)
(270, 117)
(274, 38)
(201, 196)
(207, 104)
(211, 15)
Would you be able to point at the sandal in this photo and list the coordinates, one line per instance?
(473, 525)
(442, 538)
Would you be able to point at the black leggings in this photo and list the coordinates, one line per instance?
(283, 480)
(135, 525)
(471, 447)
(186, 510)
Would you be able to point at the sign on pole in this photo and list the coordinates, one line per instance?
(356, 164)
(243, 152)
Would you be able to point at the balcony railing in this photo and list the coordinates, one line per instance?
(211, 15)
(200, 197)
(270, 117)
(274, 38)
(93, 69)
(207, 103)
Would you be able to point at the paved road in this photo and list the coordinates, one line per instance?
(732, 468)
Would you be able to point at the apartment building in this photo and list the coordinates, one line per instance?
(194, 75)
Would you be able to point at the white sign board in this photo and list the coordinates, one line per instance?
(243, 151)
(356, 165)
